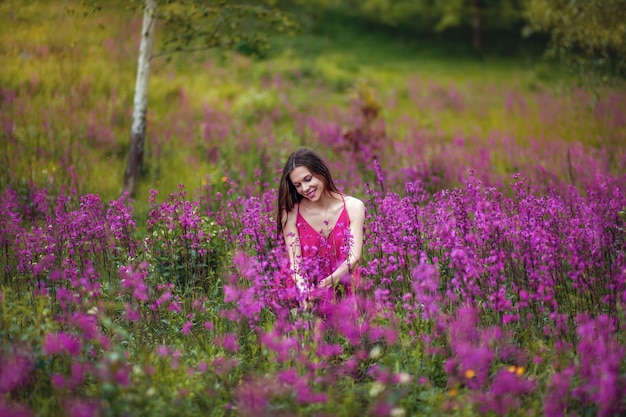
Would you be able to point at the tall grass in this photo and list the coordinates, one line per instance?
(67, 95)
(471, 301)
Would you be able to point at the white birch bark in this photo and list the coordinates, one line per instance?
(140, 102)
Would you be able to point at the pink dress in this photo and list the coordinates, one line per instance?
(322, 255)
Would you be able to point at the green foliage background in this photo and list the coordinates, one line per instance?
(72, 66)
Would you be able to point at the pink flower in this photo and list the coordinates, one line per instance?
(87, 324)
(58, 380)
(223, 365)
(9, 409)
(82, 408)
(187, 327)
(228, 341)
(121, 376)
(202, 367)
(163, 350)
(15, 369)
(59, 343)
(130, 313)
(163, 298)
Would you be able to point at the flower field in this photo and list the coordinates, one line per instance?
(493, 272)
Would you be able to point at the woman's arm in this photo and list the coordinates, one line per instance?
(292, 242)
(356, 212)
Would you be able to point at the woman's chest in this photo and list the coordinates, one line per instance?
(324, 227)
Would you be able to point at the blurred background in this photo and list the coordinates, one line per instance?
(427, 88)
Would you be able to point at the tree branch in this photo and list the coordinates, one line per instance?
(219, 20)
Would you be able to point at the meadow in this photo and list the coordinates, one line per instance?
(493, 272)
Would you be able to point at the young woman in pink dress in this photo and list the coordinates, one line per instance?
(322, 229)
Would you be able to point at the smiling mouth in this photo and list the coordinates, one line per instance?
(310, 193)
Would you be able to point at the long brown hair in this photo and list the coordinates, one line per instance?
(287, 194)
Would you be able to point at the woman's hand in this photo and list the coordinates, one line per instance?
(327, 283)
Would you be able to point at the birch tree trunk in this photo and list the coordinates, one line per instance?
(140, 102)
(477, 41)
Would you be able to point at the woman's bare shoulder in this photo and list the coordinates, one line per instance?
(350, 200)
(289, 217)
(354, 205)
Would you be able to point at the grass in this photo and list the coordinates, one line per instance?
(73, 76)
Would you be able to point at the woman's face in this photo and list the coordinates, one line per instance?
(307, 185)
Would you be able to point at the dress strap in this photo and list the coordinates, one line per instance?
(344, 205)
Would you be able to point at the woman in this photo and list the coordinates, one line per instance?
(321, 227)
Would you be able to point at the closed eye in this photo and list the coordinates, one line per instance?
(306, 179)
